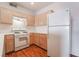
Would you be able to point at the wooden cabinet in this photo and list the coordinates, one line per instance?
(30, 20)
(32, 36)
(18, 14)
(43, 41)
(41, 19)
(37, 21)
(39, 39)
(5, 16)
(9, 43)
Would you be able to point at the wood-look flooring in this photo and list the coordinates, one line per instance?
(32, 51)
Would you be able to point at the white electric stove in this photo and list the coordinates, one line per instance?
(21, 40)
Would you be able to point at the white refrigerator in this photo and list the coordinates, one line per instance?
(59, 33)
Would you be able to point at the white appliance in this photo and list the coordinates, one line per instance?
(59, 33)
(21, 36)
(21, 40)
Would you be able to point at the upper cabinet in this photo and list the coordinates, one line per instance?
(19, 14)
(30, 20)
(41, 19)
(5, 16)
(59, 18)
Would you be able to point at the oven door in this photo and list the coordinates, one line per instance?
(21, 42)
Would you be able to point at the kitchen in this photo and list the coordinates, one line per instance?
(38, 29)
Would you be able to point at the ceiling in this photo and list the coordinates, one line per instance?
(34, 7)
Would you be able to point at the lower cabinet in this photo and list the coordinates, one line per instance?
(9, 43)
(39, 39)
(43, 41)
(32, 40)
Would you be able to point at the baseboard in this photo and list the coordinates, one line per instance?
(9, 52)
(72, 55)
(48, 56)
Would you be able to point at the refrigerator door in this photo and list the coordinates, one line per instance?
(58, 41)
(59, 18)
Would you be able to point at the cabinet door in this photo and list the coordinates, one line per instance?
(6, 16)
(9, 43)
(37, 20)
(41, 19)
(37, 39)
(30, 20)
(43, 41)
(59, 18)
(32, 38)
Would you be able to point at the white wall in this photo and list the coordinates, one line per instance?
(5, 28)
(74, 9)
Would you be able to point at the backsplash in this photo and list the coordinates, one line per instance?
(5, 28)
